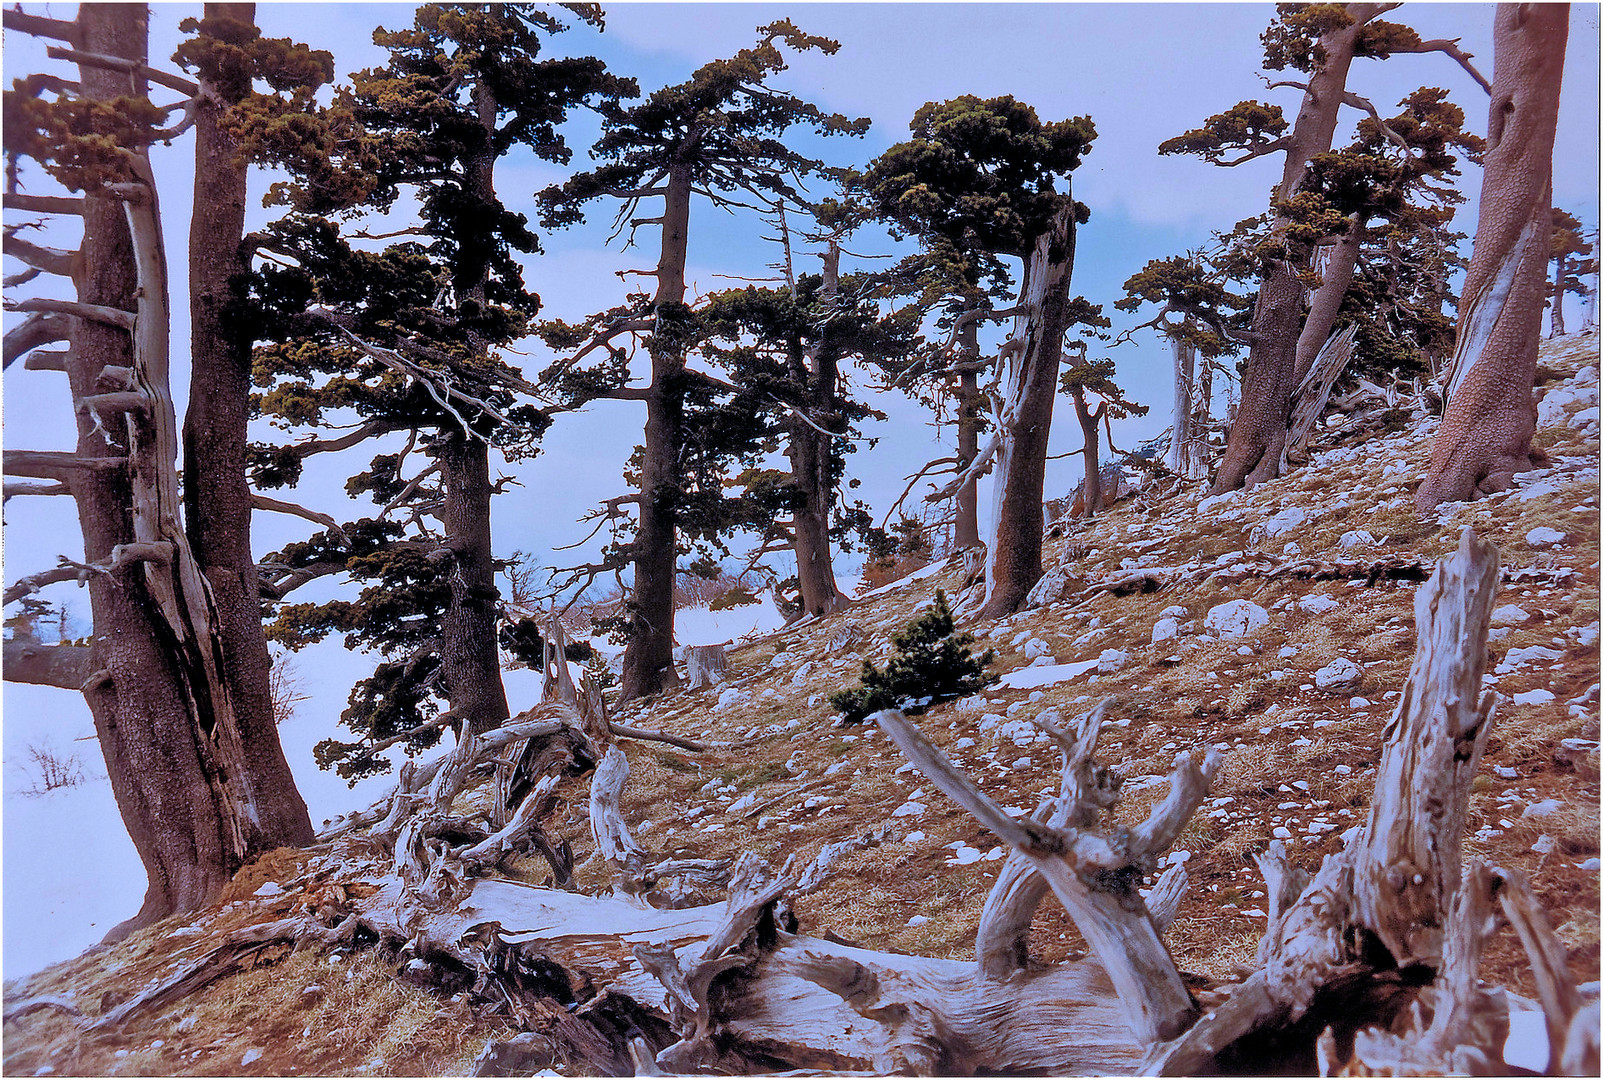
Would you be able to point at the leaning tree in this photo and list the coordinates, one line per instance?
(978, 181)
(1321, 41)
(176, 676)
(717, 136)
(1485, 437)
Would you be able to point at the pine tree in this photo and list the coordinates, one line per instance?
(716, 135)
(176, 677)
(1321, 41)
(410, 338)
(977, 184)
(932, 663)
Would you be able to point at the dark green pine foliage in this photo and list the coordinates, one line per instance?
(1401, 200)
(409, 338)
(975, 185)
(787, 349)
(932, 663)
(715, 137)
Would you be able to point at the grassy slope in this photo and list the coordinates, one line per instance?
(1297, 759)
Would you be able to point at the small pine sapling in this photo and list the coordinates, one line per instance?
(931, 664)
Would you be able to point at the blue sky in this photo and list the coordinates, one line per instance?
(1143, 72)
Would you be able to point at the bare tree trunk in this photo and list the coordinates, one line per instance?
(648, 657)
(1335, 278)
(217, 498)
(966, 529)
(1181, 437)
(1091, 457)
(812, 458)
(1559, 264)
(1013, 557)
(471, 664)
(1313, 393)
(1258, 436)
(1485, 435)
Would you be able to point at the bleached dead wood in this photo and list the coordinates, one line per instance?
(705, 665)
(1309, 399)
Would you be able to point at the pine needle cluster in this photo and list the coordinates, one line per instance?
(931, 664)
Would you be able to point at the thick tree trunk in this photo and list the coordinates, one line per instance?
(648, 657)
(217, 498)
(1485, 435)
(1258, 436)
(471, 664)
(470, 659)
(812, 459)
(970, 403)
(161, 710)
(1013, 556)
(1335, 278)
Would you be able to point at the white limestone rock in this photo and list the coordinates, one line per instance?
(1338, 676)
(1236, 618)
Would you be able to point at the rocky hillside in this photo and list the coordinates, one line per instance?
(1275, 626)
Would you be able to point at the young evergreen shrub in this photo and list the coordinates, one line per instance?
(931, 664)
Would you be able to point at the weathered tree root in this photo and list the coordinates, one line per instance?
(1367, 967)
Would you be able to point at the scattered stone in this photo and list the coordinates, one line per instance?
(1520, 657)
(918, 920)
(1356, 539)
(1111, 660)
(269, 888)
(253, 1054)
(1284, 522)
(908, 809)
(1534, 697)
(1509, 615)
(1173, 611)
(1036, 648)
(1165, 629)
(1317, 604)
(1339, 675)
(1542, 536)
(1054, 585)
(1236, 618)
(1545, 808)
(801, 674)
(1544, 845)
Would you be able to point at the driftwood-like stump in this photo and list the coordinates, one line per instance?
(1368, 966)
(705, 665)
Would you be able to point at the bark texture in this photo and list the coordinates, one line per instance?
(469, 658)
(1258, 436)
(648, 657)
(1013, 555)
(1485, 436)
(217, 497)
(163, 711)
(812, 457)
(966, 527)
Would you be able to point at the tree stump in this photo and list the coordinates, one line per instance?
(707, 665)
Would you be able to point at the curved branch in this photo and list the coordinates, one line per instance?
(278, 506)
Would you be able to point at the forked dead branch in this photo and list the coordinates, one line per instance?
(1368, 966)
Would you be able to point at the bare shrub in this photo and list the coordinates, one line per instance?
(50, 771)
(285, 688)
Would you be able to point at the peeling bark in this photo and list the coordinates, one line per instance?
(1485, 436)
(1013, 554)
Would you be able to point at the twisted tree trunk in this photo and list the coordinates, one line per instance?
(1485, 435)
(217, 497)
(1013, 556)
(1258, 436)
(970, 403)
